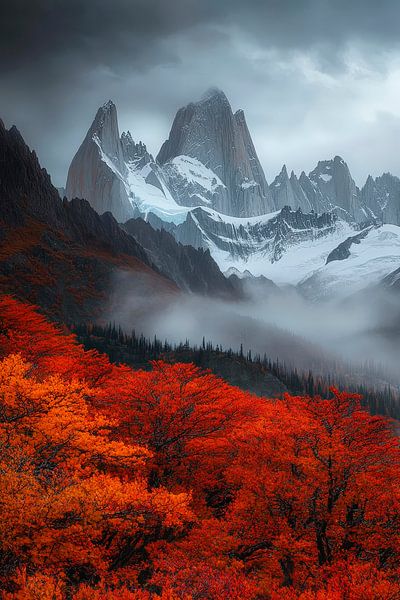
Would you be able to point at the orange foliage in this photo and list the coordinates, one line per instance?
(172, 484)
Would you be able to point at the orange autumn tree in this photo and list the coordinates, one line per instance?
(72, 499)
(172, 484)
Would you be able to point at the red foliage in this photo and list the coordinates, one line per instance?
(172, 484)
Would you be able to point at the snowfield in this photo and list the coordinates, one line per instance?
(377, 255)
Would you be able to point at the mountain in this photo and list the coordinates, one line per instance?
(219, 142)
(270, 245)
(208, 190)
(288, 192)
(208, 160)
(92, 175)
(382, 197)
(250, 287)
(114, 173)
(360, 261)
(61, 255)
(192, 269)
(333, 188)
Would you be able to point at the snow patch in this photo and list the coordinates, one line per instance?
(325, 177)
(195, 172)
(248, 184)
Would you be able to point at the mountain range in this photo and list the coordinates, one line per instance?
(151, 266)
(207, 189)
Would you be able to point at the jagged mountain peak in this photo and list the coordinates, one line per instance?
(104, 132)
(289, 192)
(98, 167)
(109, 105)
(126, 135)
(284, 172)
(281, 178)
(105, 114)
(369, 180)
(335, 163)
(134, 152)
(214, 93)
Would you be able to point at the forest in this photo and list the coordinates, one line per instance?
(169, 483)
(138, 351)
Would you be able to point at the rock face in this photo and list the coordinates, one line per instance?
(98, 170)
(192, 269)
(116, 174)
(342, 251)
(382, 197)
(288, 192)
(219, 140)
(135, 153)
(336, 190)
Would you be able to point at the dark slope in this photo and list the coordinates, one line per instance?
(192, 269)
(59, 254)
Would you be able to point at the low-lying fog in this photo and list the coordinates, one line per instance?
(324, 337)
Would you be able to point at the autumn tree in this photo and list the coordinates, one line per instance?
(63, 509)
(317, 483)
(187, 418)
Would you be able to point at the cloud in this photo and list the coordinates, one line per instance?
(312, 75)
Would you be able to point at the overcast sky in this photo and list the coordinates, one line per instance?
(315, 77)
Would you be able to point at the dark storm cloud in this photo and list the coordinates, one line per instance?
(60, 59)
(36, 31)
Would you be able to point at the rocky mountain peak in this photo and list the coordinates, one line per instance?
(284, 172)
(289, 192)
(104, 132)
(214, 94)
(335, 189)
(98, 168)
(134, 152)
(209, 132)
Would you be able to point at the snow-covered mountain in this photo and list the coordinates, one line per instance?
(208, 189)
(369, 257)
(118, 175)
(208, 160)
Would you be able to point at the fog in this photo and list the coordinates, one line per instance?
(325, 337)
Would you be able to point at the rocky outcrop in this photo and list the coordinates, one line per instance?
(342, 251)
(210, 133)
(335, 190)
(134, 152)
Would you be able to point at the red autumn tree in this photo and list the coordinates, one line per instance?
(187, 417)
